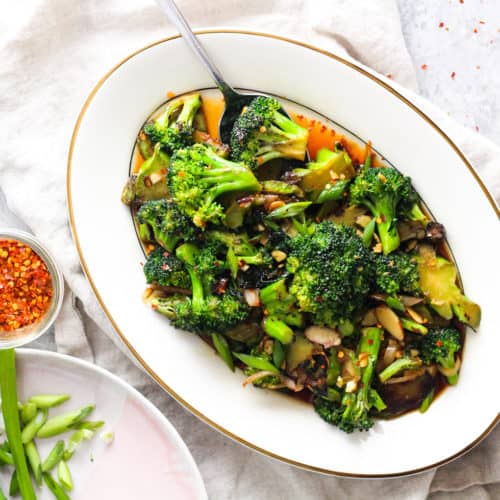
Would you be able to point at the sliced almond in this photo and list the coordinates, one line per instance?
(410, 301)
(390, 321)
(415, 316)
(369, 319)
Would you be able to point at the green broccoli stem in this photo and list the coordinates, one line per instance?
(397, 366)
(370, 342)
(232, 177)
(388, 233)
(11, 421)
(286, 125)
(274, 292)
(278, 330)
(449, 363)
(188, 253)
(368, 233)
(189, 110)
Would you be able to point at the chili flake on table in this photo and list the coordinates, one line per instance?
(25, 286)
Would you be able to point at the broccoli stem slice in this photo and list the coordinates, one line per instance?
(397, 366)
(187, 253)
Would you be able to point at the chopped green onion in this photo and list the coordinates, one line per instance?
(55, 487)
(2, 496)
(427, 401)
(64, 475)
(54, 457)
(278, 353)
(29, 432)
(88, 424)
(107, 437)
(256, 362)
(75, 440)
(48, 400)
(368, 233)
(6, 457)
(14, 485)
(61, 423)
(397, 366)
(413, 326)
(289, 210)
(11, 421)
(28, 412)
(278, 330)
(333, 192)
(34, 461)
(395, 303)
(222, 347)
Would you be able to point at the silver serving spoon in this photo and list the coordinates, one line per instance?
(235, 101)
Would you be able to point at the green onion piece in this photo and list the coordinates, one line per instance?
(278, 330)
(14, 485)
(34, 461)
(75, 440)
(61, 423)
(6, 457)
(28, 412)
(2, 496)
(278, 353)
(397, 366)
(11, 421)
(427, 401)
(333, 192)
(413, 326)
(375, 400)
(256, 362)
(289, 210)
(54, 457)
(222, 347)
(89, 425)
(395, 303)
(55, 487)
(334, 368)
(368, 233)
(281, 187)
(29, 432)
(274, 292)
(48, 400)
(64, 475)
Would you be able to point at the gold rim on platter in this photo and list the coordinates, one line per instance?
(148, 369)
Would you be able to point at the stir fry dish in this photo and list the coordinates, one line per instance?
(322, 276)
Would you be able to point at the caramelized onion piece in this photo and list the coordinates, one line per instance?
(327, 337)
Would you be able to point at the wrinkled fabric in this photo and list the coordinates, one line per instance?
(52, 53)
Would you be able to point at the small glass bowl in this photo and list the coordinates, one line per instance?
(31, 332)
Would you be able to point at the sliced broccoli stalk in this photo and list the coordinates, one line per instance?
(438, 278)
(329, 169)
(150, 182)
(173, 129)
(262, 133)
(440, 346)
(397, 366)
(162, 220)
(278, 330)
(386, 192)
(198, 176)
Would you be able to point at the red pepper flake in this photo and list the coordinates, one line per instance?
(389, 75)
(319, 298)
(461, 1)
(165, 254)
(323, 129)
(478, 67)
(475, 30)
(441, 25)
(439, 343)
(477, 128)
(424, 66)
(370, 341)
(25, 286)
(165, 267)
(482, 22)
(453, 75)
(447, 29)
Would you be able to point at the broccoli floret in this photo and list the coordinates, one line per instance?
(386, 192)
(240, 252)
(167, 224)
(150, 181)
(397, 273)
(204, 312)
(173, 129)
(198, 176)
(352, 412)
(281, 304)
(332, 272)
(262, 133)
(169, 305)
(165, 269)
(440, 346)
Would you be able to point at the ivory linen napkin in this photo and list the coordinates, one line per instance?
(52, 52)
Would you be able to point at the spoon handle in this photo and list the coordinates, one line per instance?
(176, 17)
